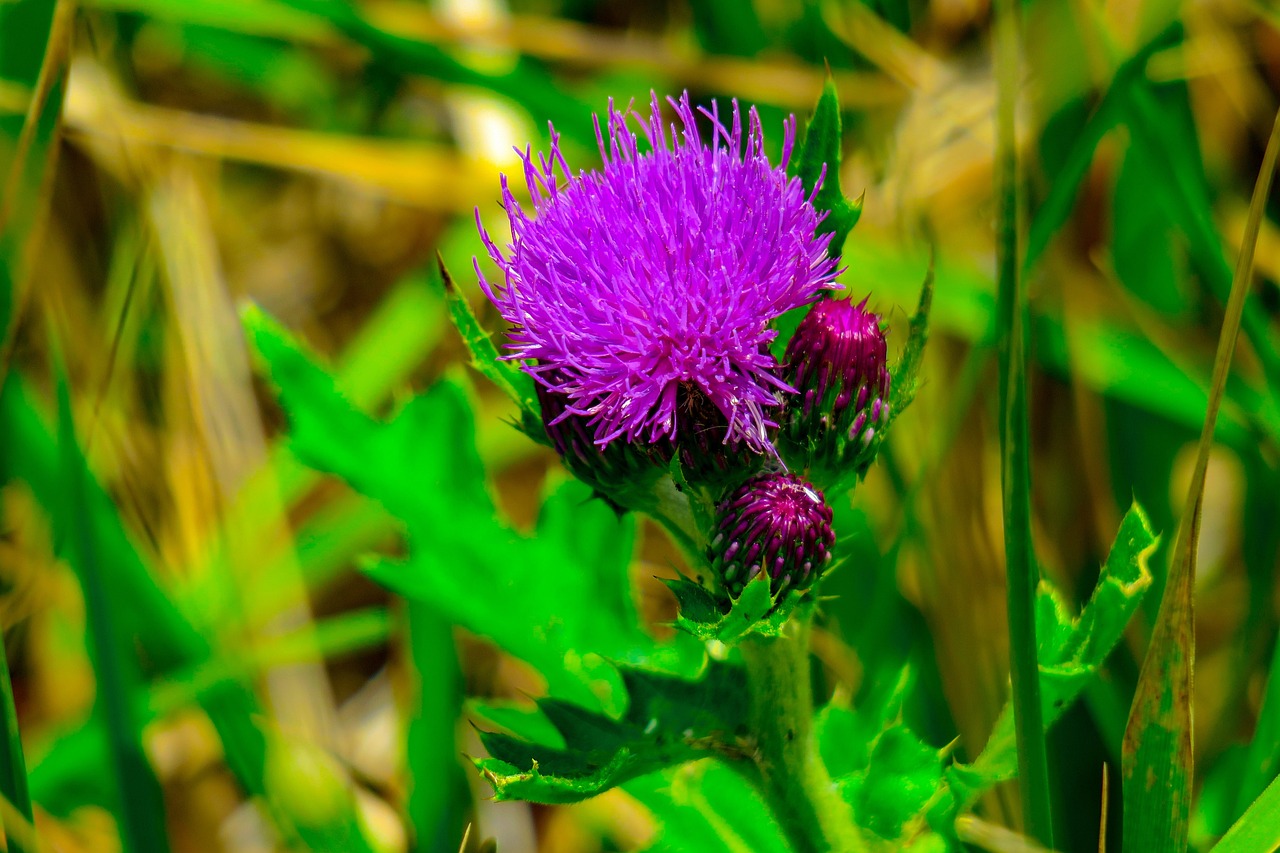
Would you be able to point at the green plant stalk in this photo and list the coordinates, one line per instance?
(438, 792)
(1021, 570)
(805, 800)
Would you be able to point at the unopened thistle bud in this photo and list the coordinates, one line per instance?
(778, 524)
(708, 454)
(837, 362)
(611, 470)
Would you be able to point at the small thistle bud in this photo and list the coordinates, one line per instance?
(837, 362)
(611, 469)
(775, 523)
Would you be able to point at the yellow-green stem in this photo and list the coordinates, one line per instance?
(804, 799)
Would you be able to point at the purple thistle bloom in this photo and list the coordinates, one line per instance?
(775, 523)
(664, 269)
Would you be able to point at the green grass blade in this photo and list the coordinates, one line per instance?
(1263, 762)
(1021, 569)
(13, 766)
(1191, 210)
(1258, 829)
(171, 641)
(1157, 757)
(1059, 203)
(118, 681)
(34, 41)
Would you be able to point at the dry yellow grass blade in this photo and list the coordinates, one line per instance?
(893, 52)
(427, 176)
(994, 838)
(227, 431)
(788, 84)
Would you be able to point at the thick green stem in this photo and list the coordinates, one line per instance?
(806, 802)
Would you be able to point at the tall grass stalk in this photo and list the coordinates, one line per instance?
(1022, 572)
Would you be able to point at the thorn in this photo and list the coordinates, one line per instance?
(444, 274)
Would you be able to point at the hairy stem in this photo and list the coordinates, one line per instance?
(804, 799)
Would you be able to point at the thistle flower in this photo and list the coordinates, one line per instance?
(837, 362)
(775, 523)
(662, 270)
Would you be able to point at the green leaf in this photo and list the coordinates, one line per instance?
(728, 28)
(1158, 762)
(1257, 830)
(668, 721)
(1148, 255)
(1163, 129)
(1071, 651)
(1070, 169)
(559, 600)
(756, 611)
(515, 383)
(707, 807)
(886, 773)
(819, 158)
(903, 776)
(1102, 354)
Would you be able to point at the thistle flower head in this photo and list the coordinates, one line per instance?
(775, 523)
(837, 362)
(665, 268)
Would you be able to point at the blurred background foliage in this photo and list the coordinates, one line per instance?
(188, 609)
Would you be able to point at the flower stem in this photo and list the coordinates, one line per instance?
(804, 798)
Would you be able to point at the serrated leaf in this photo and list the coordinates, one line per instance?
(901, 779)
(559, 600)
(819, 159)
(669, 720)
(757, 611)
(884, 771)
(695, 603)
(515, 383)
(1070, 654)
